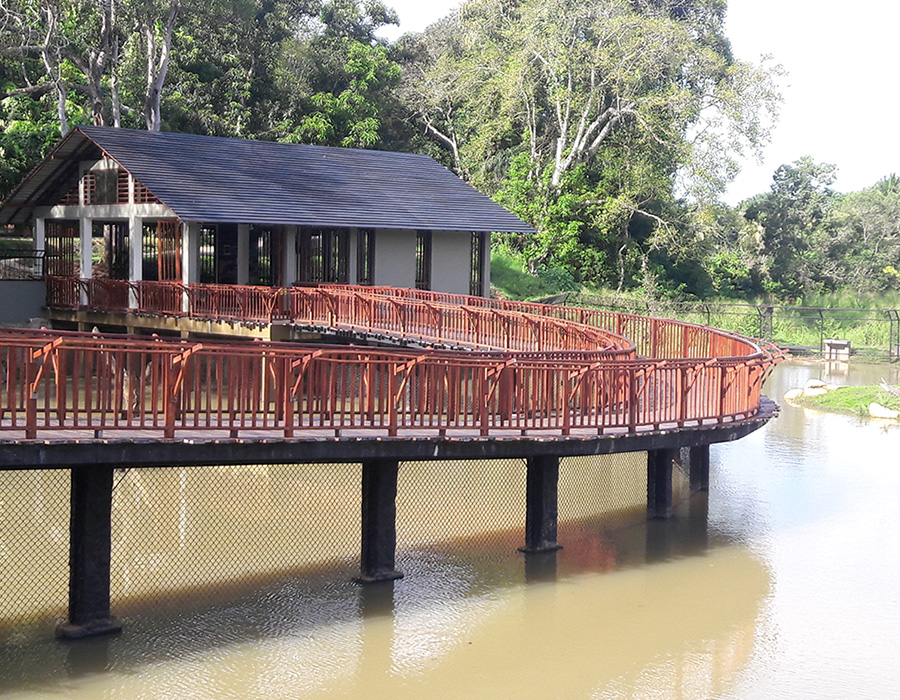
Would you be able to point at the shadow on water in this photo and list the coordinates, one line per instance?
(486, 567)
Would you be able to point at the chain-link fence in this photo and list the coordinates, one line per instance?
(207, 534)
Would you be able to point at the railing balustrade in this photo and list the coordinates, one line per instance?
(531, 367)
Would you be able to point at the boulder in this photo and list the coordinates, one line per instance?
(815, 391)
(815, 384)
(793, 394)
(876, 410)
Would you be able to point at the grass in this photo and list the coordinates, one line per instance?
(852, 400)
(512, 281)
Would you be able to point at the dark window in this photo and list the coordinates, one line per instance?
(61, 248)
(365, 256)
(208, 253)
(476, 275)
(161, 250)
(323, 255)
(262, 260)
(106, 187)
(423, 259)
(110, 250)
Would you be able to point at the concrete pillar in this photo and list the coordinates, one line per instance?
(379, 521)
(86, 250)
(39, 234)
(289, 256)
(243, 254)
(135, 254)
(90, 533)
(659, 483)
(85, 253)
(541, 511)
(190, 257)
(698, 460)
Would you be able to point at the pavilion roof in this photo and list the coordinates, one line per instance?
(214, 179)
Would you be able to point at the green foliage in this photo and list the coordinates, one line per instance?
(510, 280)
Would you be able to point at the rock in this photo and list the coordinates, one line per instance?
(815, 384)
(876, 410)
(815, 391)
(793, 394)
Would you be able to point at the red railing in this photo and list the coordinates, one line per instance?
(536, 367)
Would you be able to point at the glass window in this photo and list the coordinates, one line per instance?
(365, 256)
(423, 259)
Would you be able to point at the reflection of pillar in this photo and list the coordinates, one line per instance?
(379, 521)
(659, 482)
(698, 522)
(541, 505)
(698, 459)
(243, 253)
(541, 566)
(90, 533)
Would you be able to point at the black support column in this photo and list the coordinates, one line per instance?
(659, 483)
(379, 521)
(541, 510)
(698, 459)
(90, 533)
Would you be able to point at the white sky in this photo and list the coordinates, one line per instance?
(841, 101)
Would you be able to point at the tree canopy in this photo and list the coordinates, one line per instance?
(612, 126)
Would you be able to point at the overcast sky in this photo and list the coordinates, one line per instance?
(840, 103)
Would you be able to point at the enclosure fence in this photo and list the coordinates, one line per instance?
(202, 535)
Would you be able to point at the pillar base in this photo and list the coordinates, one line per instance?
(94, 628)
(379, 577)
(540, 550)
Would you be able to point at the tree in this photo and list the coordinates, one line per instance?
(792, 218)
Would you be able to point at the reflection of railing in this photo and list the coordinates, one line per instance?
(22, 265)
(558, 374)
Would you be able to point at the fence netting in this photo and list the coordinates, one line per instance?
(208, 534)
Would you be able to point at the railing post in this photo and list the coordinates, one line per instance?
(170, 398)
(30, 398)
(394, 398)
(484, 418)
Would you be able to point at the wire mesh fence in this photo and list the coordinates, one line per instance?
(872, 332)
(207, 534)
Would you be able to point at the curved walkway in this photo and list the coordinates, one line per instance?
(487, 369)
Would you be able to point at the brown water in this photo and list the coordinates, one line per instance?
(784, 584)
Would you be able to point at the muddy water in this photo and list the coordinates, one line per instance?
(782, 584)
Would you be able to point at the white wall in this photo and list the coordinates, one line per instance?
(395, 258)
(451, 261)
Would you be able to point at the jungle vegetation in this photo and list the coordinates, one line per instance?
(612, 126)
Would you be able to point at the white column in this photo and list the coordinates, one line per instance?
(135, 254)
(289, 256)
(243, 253)
(190, 256)
(86, 253)
(39, 234)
